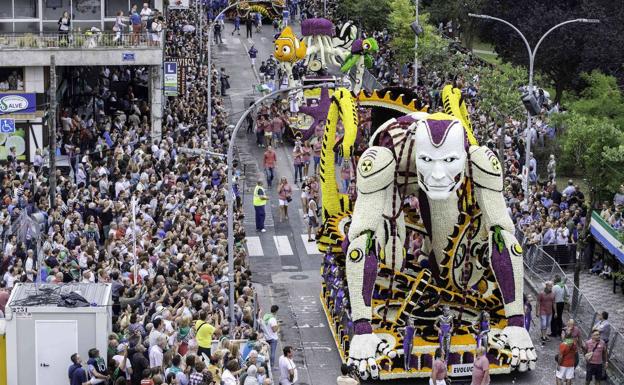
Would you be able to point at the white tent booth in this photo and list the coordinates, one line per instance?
(41, 335)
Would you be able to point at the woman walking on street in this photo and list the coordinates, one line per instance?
(284, 192)
(307, 154)
(312, 216)
(298, 161)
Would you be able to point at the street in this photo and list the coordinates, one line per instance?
(285, 266)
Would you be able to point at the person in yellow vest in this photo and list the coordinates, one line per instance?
(259, 201)
(203, 333)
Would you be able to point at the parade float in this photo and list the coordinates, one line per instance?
(422, 255)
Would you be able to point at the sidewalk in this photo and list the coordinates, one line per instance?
(600, 293)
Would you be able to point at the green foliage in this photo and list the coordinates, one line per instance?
(593, 147)
(498, 90)
(433, 49)
(371, 15)
(457, 11)
(399, 20)
(601, 97)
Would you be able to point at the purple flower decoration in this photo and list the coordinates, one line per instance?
(318, 26)
(318, 113)
(356, 47)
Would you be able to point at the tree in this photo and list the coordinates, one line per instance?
(601, 98)
(594, 147)
(371, 15)
(499, 94)
(433, 50)
(457, 11)
(559, 56)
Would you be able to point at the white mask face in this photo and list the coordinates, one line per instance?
(440, 157)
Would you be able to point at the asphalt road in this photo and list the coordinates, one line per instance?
(284, 265)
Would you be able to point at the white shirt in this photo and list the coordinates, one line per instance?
(155, 356)
(285, 365)
(228, 378)
(119, 359)
(28, 266)
(269, 334)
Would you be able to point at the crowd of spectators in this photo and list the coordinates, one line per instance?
(168, 268)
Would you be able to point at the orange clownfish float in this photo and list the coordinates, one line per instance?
(288, 48)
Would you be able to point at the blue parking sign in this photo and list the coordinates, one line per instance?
(171, 68)
(7, 126)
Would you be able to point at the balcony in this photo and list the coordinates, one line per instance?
(87, 48)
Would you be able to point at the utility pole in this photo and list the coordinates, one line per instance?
(52, 131)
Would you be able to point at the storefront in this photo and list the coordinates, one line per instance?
(21, 124)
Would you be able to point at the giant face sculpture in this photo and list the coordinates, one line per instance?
(440, 156)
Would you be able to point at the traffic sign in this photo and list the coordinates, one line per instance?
(7, 126)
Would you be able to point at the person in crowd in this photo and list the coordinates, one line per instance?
(298, 162)
(204, 330)
(237, 21)
(603, 326)
(560, 292)
(438, 371)
(119, 27)
(345, 377)
(136, 24)
(596, 358)
(597, 267)
(269, 161)
(224, 80)
(566, 360)
(528, 311)
(545, 302)
(270, 327)
(287, 369)
(259, 201)
(218, 26)
(77, 374)
(229, 376)
(481, 368)
(312, 214)
(253, 54)
(284, 192)
(97, 367)
(249, 27)
(64, 26)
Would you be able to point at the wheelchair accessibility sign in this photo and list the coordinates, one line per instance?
(7, 126)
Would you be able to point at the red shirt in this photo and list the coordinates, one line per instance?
(567, 354)
(545, 302)
(269, 159)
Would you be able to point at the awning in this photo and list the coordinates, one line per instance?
(607, 236)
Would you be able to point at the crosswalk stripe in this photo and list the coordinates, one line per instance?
(282, 244)
(310, 247)
(254, 247)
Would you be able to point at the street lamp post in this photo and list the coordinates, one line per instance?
(532, 53)
(209, 65)
(230, 194)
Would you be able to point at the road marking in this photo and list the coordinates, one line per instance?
(254, 247)
(310, 247)
(282, 244)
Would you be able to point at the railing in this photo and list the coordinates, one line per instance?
(540, 267)
(81, 40)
